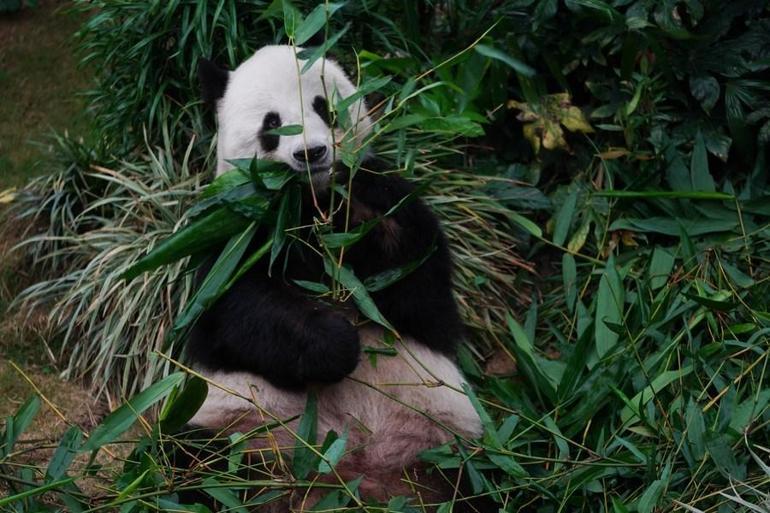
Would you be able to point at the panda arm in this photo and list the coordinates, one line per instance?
(262, 326)
(420, 304)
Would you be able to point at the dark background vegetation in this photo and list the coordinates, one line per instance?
(600, 167)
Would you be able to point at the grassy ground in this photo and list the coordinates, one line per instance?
(39, 79)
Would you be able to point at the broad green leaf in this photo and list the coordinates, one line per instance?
(184, 405)
(363, 300)
(372, 85)
(10, 499)
(313, 286)
(304, 458)
(651, 496)
(718, 302)
(494, 53)
(749, 411)
(218, 280)
(723, 455)
(64, 455)
(705, 89)
(528, 361)
(337, 500)
(314, 22)
(671, 226)
(310, 56)
(388, 277)
(661, 265)
(288, 213)
(333, 454)
(490, 432)
(699, 167)
(525, 223)
(564, 218)
(204, 233)
(119, 421)
(569, 280)
(227, 181)
(629, 414)
(609, 308)
(291, 18)
(226, 496)
(286, 130)
(696, 430)
(19, 423)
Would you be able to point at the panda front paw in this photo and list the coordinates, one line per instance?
(332, 349)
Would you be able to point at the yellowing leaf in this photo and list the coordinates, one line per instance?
(553, 135)
(8, 195)
(532, 134)
(543, 121)
(578, 240)
(574, 120)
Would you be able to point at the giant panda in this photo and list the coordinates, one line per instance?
(266, 343)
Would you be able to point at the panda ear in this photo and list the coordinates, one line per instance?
(213, 81)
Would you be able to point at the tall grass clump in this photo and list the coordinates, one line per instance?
(601, 168)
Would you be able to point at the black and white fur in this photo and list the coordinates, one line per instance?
(266, 342)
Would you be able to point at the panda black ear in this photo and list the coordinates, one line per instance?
(213, 81)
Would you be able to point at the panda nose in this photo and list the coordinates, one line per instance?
(311, 155)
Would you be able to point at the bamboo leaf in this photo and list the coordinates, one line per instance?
(119, 421)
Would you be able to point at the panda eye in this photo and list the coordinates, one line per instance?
(272, 120)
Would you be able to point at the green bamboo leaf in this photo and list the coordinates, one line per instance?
(292, 18)
(528, 361)
(696, 430)
(16, 425)
(525, 223)
(204, 233)
(609, 308)
(288, 213)
(629, 414)
(226, 496)
(569, 279)
(363, 300)
(304, 458)
(218, 280)
(313, 286)
(333, 454)
(490, 432)
(386, 278)
(10, 499)
(494, 53)
(651, 496)
(311, 55)
(286, 130)
(184, 405)
(119, 421)
(661, 265)
(564, 219)
(717, 303)
(64, 455)
(671, 226)
(699, 167)
(314, 22)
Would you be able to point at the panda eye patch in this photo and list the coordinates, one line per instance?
(269, 142)
(321, 107)
(272, 120)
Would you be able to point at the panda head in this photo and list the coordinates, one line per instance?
(269, 91)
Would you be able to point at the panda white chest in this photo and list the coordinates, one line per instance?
(392, 409)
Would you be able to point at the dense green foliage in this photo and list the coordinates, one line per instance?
(621, 145)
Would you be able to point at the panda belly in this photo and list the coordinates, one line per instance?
(392, 410)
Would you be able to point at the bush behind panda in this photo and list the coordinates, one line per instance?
(267, 339)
